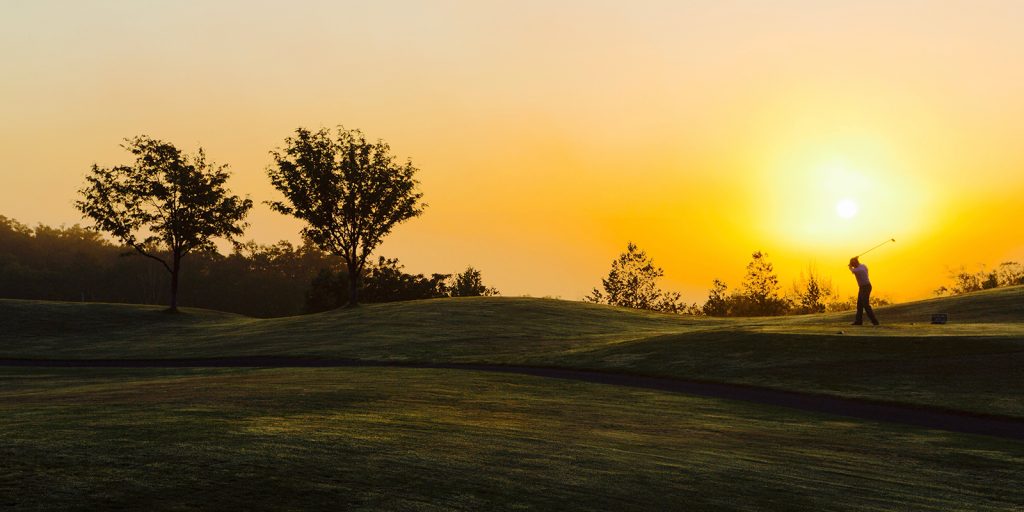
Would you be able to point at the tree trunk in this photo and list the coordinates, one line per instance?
(175, 271)
(353, 285)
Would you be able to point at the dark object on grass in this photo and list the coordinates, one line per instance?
(940, 318)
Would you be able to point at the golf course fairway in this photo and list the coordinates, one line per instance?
(407, 438)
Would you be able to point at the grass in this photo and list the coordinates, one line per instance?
(973, 364)
(406, 439)
(416, 439)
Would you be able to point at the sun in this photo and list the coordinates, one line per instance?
(846, 208)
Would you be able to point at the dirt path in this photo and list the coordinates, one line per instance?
(918, 416)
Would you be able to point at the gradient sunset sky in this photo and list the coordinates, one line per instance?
(550, 133)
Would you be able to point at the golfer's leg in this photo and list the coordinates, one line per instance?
(871, 314)
(867, 307)
(860, 307)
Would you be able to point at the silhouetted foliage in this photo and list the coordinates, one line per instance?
(1008, 273)
(759, 295)
(165, 206)
(258, 280)
(52, 263)
(836, 305)
(760, 289)
(327, 291)
(811, 293)
(385, 281)
(350, 193)
(632, 283)
(470, 284)
(78, 264)
(719, 302)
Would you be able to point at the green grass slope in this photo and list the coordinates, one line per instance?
(998, 305)
(975, 365)
(406, 439)
(443, 328)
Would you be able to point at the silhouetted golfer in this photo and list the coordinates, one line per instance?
(860, 270)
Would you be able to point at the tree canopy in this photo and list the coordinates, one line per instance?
(1007, 273)
(349, 192)
(167, 202)
(812, 293)
(386, 281)
(632, 283)
(78, 264)
(470, 283)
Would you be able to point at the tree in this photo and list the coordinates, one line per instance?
(990, 280)
(812, 292)
(718, 303)
(965, 282)
(350, 192)
(326, 291)
(256, 280)
(385, 281)
(165, 206)
(470, 284)
(1010, 273)
(632, 283)
(838, 305)
(761, 288)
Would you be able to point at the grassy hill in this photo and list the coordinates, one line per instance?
(422, 439)
(973, 364)
(442, 328)
(998, 305)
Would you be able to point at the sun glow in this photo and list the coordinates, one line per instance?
(847, 208)
(865, 178)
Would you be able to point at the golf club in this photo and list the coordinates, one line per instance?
(876, 247)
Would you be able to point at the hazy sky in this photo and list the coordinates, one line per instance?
(550, 133)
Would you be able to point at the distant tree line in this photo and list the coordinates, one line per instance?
(632, 282)
(1007, 273)
(79, 264)
(350, 193)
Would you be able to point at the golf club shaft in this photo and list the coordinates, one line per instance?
(876, 247)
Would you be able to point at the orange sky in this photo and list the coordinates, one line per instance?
(549, 136)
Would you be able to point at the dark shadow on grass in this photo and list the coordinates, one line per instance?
(919, 416)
